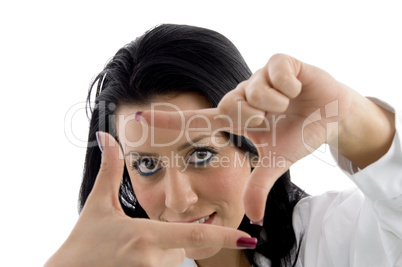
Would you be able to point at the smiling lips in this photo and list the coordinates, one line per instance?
(207, 219)
(202, 220)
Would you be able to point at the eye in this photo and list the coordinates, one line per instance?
(147, 166)
(201, 156)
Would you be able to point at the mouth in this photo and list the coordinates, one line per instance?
(207, 219)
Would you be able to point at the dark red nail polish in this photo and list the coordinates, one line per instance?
(138, 115)
(245, 242)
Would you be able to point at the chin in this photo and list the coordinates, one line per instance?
(201, 253)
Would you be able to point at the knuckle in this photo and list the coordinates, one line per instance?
(279, 80)
(284, 105)
(226, 239)
(295, 92)
(148, 259)
(143, 240)
(258, 188)
(225, 107)
(197, 237)
(178, 254)
(253, 96)
(181, 255)
(152, 261)
(278, 57)
(241, 85)
(111, 166)
(105, 166)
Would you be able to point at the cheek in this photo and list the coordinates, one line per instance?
(227, 180)
(234, 176)
(150, 198)
(226, 184)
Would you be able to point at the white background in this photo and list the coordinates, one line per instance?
(51, 50)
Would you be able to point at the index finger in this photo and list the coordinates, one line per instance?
(184, 120)
(235, 119)
(187, 235)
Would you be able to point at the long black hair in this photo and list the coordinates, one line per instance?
(175, 59)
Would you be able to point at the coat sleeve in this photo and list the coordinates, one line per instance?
(358, 227)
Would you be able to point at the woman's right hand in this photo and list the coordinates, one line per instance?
(105, 236)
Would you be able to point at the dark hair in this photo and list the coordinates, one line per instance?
(175, 59)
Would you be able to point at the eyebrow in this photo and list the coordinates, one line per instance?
(154, 155)
(180, 148)
(195, 140)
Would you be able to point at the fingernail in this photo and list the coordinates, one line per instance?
(138, 115)
(260, 223)
(245, 242)
(100, 140)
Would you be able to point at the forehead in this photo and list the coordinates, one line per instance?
(132, 133)
(170, 102)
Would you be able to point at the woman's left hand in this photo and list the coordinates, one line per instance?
(288, 109)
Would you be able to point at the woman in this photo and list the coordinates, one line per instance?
(167, 99)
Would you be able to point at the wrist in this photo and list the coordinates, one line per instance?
(365, 132)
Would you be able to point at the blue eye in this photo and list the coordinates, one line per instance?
(201, 156)
(147, 166)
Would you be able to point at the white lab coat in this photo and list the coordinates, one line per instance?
(360, 227)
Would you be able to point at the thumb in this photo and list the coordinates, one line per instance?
(108, 180)
(257, 189)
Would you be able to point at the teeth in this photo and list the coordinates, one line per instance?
(201, 220)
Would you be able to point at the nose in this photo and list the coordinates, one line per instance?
(179, 192)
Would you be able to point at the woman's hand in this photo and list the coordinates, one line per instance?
(289, 109)
(105, 236)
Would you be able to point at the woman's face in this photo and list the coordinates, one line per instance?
(179, 176)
